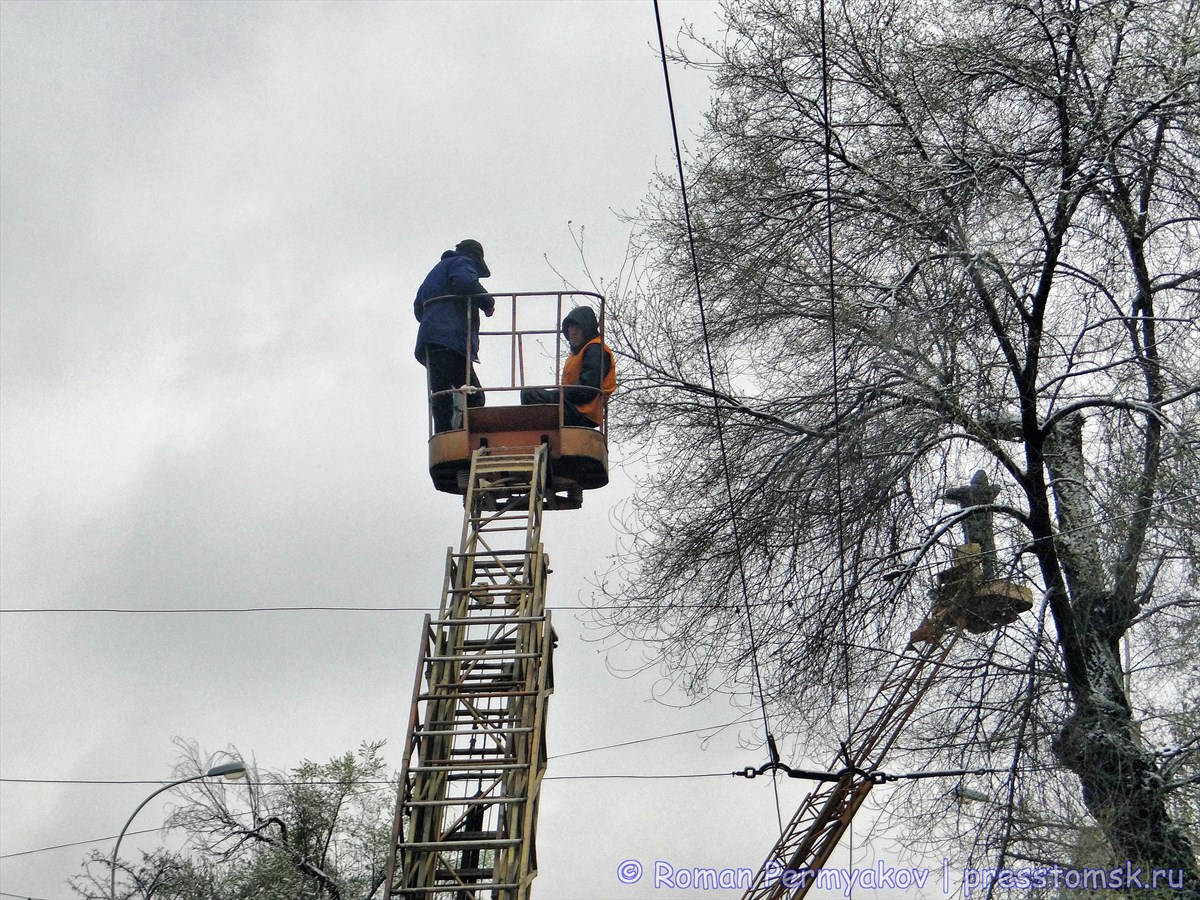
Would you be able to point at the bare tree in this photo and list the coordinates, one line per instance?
(934, 238)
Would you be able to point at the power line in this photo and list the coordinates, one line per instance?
(285, 781)
(217, 610)
(103, 840)
(879, 776)
(144, 782)
(192, 610)
(712, 377)
(660, 737)
(635, 777)
(259, 609)
(830, 258)
(670, 776)
(226, 609)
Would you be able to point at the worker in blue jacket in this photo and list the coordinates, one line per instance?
(447, 306)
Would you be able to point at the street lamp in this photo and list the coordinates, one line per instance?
(231, 770)
(964, 794)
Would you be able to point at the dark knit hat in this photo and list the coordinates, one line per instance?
(474, 249)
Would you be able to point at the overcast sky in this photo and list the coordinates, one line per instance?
(214, 218)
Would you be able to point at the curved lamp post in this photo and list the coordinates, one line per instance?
(230, 770)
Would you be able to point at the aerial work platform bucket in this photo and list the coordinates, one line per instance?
(522, 347)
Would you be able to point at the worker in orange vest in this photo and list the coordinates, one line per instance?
(588, 375)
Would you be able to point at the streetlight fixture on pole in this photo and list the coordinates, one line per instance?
(231, 770)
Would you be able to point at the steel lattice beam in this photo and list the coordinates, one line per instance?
(475, 751)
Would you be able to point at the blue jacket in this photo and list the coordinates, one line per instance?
(448, 304)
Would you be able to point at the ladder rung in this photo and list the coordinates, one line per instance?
(464, 874)
(473, 837)
(466, 801)
(480, 733)
(492, 595)
(487, 588)
(483, 615)
(490, 620)
(482, 751)
(495, 562)
(501, 656)
(441, 765)
(497, 664)
(474, 696)
(487, 685)
(487, 716)
(489, 558)
(456, 888)
(483, 729)
(475, 681)
(495, 593)
(459, 845)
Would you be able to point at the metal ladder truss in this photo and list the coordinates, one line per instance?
(475, 752)
(813, 833)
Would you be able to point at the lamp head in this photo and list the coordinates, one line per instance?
(231, 770)
(967, 795)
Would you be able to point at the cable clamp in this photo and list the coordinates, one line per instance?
(809, 774)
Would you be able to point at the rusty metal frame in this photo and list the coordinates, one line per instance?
(475, 751)
(814, 832)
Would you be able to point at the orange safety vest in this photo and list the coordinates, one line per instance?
(593, 408)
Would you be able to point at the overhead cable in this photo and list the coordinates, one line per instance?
(712, 376)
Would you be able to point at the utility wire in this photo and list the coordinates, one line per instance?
(217, 610)
(645, 740)
(389, 784)
(669, 777)
(833, 347)
(191, 610)
(376, 782)
(103, 840)
(712, 375)
(184, 611)
(877, 776)
(378, 785)
(660, 737)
